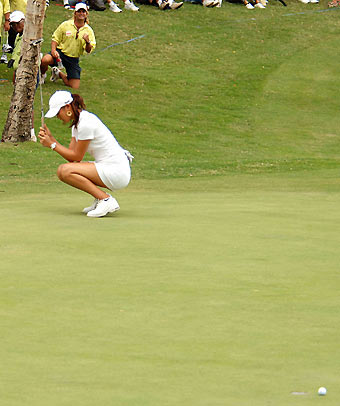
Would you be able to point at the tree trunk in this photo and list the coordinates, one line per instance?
(19, 119)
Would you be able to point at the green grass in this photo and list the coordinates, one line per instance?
(217, 292)
(217, 283)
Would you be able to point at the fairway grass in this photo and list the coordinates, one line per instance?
(201, 292)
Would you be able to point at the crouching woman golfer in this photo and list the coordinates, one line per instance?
(111, 168)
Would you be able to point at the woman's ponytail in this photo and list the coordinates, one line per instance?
(77, 106)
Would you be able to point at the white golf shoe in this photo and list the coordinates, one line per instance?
(174, 5)
(7, 48)
(164, 4)
(104, 207)
(130, 6)
(3, 58)
(210, 3)
(113, 7)
(43, 78)
(92, 207)
(55, 74)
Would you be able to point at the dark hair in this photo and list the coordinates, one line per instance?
(77, 106)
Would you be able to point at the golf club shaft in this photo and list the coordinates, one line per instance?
(40, 87)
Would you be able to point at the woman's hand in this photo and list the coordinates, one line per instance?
(46, 138)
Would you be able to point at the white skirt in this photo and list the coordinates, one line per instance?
(114, 176)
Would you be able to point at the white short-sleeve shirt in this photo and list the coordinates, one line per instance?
(103, 146)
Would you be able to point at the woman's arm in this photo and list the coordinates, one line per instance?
(74, 153)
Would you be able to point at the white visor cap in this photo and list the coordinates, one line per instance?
(58, 100)
(80, 6)
(16, 16)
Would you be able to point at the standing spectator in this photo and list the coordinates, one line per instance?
(15, 5)
(4, 11)
(17, 22)
(18, 5)
(69, 41)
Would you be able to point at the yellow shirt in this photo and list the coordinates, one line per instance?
(65, 36)
(17, 51)
(19, 5)
(4, 8)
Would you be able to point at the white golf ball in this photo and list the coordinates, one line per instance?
(322, 391)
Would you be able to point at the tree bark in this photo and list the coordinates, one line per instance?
(19, 119)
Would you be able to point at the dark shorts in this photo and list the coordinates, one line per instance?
(70, 64)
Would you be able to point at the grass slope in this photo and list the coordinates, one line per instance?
(210, 91)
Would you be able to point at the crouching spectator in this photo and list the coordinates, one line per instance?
(69, 41)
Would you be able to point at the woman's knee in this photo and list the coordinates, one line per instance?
(63, 172)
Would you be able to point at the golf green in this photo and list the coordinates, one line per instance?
(212, 291)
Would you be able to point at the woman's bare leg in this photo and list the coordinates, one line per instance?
(83, 176)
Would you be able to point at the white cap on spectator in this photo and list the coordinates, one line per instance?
(80, 6)
(58, 100)
(16, 16)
